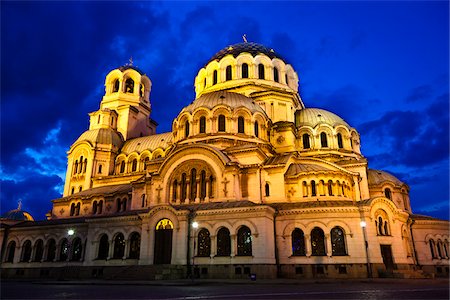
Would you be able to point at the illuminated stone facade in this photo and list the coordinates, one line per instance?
(277, 189)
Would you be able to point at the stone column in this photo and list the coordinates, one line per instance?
(207, 190)
(308, 245)
(111, 250)
(213, 246)
(197, 192)
(188, 191)
(328, 246)
(233, 245)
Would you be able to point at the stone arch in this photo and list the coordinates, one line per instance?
(217, 226)
(238, 224)
(311, 225)
(287, 231)
(161, 212)
(335, 223)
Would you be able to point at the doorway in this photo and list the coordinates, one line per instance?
(386, 253)
(163, 242)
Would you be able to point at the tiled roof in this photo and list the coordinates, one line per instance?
(102, 191)
(376, 177)
(151, 143)
(278, 159)
(299, 168)
(315, 116)
(101, 136)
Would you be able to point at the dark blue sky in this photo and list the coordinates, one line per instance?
(382, 66)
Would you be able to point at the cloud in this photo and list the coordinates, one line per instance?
(419, 93)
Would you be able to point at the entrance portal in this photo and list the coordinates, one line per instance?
(163, 242)
(386, 253)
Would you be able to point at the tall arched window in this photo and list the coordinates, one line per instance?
(204, 243)
(240, 124)
(174, 190)
(323, 140)
(305, 189)
(72, 209)
(26, 251)
(432, 249)
(204, 83)
(202, 125)
(382, 225)
(298, 242)
(228, 74)
(203, 184)
(80, 165)
(51, 250)
(306, 143)
(286, 79)
(186, 129)
(119, 246)
(103, 247)
(275, 75)
(445, 248)
(330, 188)
(313, 188)
(77, 249)
(11, 250)
(439, 250)
(215, 77)
(64, 250)
(267, 189)
(77, 208)
(143, 202)
(100, 207)
(387, 193)
(135, 245)
(193, 182)
(183, 187)
(244, 71)
(116, 86)
(221, 123)
(244, 241)
(223, 242)
(94, 207)
(75, 167)
(261, 74)
(38, 250)
(129, 86)
(338, 242)
(134, 165)
(317, 242)
(100, 169)
(339, 139)
(122, 166)
(256, 129)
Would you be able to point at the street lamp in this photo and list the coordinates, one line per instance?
(363, 225)
(195, 226)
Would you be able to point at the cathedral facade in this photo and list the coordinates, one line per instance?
(249, 181)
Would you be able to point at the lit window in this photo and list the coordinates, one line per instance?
(298, 242)
(204, 243)
(317, 242)
(338, 242)
(244, 241)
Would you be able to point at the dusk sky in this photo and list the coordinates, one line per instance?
(382, 66)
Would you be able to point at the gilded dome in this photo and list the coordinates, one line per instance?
(315, 116)
(101, 136)
(232, 100)
(17, 215)
(377, 177)
(151, 142)
(251, 48)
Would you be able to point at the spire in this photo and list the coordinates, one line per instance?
(244, 37)
(19, 204)
(130, 61)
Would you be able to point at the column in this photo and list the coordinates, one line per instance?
(328, 245)
(178, 187)
(126, 250)
(111, 250)
(213, 246)
(207, 190)
(188, 191)
(197, 192)
(308, 245)
(233, 245)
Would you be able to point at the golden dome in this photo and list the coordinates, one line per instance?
(151, 143)
(316, 116)
(377, 177)
(101, 136)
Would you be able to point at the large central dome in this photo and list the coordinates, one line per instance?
(252, 48)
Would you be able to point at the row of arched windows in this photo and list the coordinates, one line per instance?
(306, 139)
(330, 188)
(79, 167)
(223, 242)
(245, 74)
(66, 251)
(317, 241)
(192, 185)
(221, 126)
(382, 225)
(128, 87)
(439, 249)
(134, 164)
(119, 247)
(75, 209)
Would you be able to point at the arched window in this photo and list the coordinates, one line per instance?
(141, 90)
(143, 200)
(103, 247)
(267, 189)
(445, 248)
(330, 188)
(338, 242)
(275, 75)
(221, 123)
(174, 190)
(298, 242)
(119, 246)
(317, 242)
(305, 189)
(204, 83)
(51, 250)
(240, 124)
(186, 129)
(256, 129)
(75, 167)
(80, 165)
(11, 251)
(223, 242)
(387, 193)
(313, 188)
(439, 250)
(432, 247)
(323, 140)
(244, 241)
(77, 249)
(202, 125)
(193, 182)
(77, 207)
(38, 250)
(100, 207)
(122, 166)
(73, 191)
(26, 251)
(98, 119)
(100, 169)
(203, 184)
(228, 73)
(286, 79)
(215, 77)
(94, 207)
(183, 187)
(135, 245)
(72, 209)
(339, 139)
(244, 71)
(134, 165)
(64, 250)
(124, 204)
(116, 86)
(382, 225)
(204, 243)
(129, 86)
(306, 143)
(261, 74)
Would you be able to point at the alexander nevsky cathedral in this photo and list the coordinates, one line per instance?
(249, 182)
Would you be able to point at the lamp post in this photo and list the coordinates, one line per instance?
(363, 225)
(195, 226)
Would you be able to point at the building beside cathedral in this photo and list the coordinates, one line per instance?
(249, 181)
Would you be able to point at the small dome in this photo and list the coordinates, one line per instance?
(232, 100)
(151, 143)
(315, 116)
(17, 215)
(252, 48)
(377, 177)
(101, 136)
